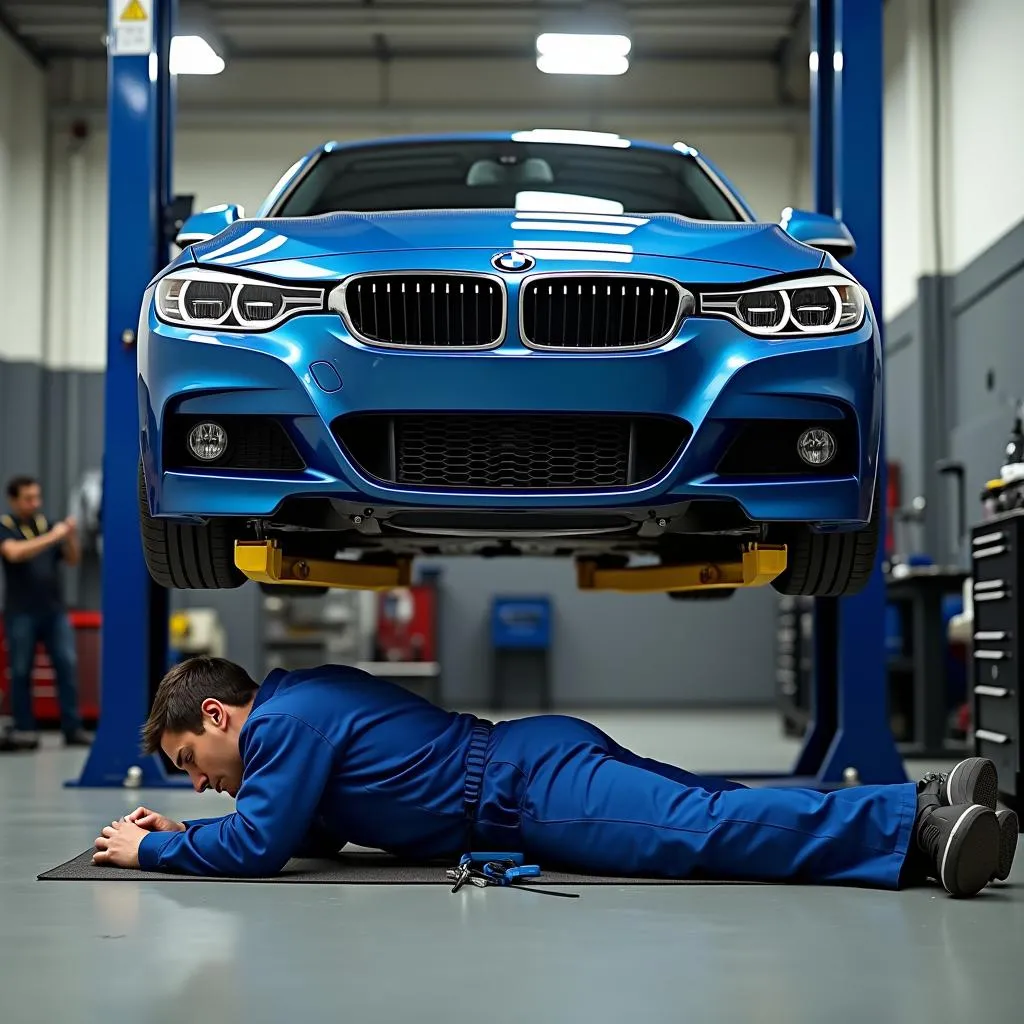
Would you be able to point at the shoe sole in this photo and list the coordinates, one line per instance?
(971, 856)
(973, 781)
(1009, 830)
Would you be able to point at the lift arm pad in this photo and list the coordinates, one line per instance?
(265, 562)
(761, 564)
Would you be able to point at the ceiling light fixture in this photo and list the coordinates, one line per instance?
(571, 53)
(193, 55)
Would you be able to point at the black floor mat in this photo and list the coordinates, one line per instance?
(356, 868)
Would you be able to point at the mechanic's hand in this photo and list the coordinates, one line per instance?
(150, 821)
(60, 530)
(118, 844)
(72, 524)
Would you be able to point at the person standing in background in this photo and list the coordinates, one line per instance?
(32, 552)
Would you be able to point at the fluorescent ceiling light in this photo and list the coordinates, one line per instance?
(565, 53)
(193, 55)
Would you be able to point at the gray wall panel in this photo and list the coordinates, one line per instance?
(611, 649)
(1003, 259)
(50, 429)
(954, 372)
(988, 356)
(988, 363)
(21, 446)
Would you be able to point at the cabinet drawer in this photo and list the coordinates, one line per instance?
(997, 710)
(994, 555)
(996, 617)
(995, 611)
(1003, 751)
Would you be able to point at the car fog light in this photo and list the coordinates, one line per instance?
(208, 441)
(816, 447)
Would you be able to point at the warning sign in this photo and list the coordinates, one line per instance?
(132, 31)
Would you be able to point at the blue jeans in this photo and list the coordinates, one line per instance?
(53, 630)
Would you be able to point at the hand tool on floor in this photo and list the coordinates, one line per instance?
(501, 869)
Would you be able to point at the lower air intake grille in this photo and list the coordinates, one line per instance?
(601, 311)
(254, 442)
(511, 452)
(426, 310)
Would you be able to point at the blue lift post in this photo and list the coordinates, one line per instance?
(850, 704)
(849, 727)
(135, 610)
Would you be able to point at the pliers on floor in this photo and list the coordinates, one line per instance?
(500, 869)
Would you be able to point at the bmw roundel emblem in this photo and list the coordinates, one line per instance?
(513, 261)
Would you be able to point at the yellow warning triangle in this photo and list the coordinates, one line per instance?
(134, 11)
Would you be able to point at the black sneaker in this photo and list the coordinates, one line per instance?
(972, 781)
(960, 844)
(18, 742)
(1009, 830)
(78, 738)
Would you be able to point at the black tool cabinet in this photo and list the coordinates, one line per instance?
(997, 568)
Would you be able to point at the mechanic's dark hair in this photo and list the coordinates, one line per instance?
(16, 483)
(177, 706)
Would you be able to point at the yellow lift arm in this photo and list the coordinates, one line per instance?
(760, 565)
(265, 562)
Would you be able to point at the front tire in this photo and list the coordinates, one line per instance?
(828, 564)
(188, 556)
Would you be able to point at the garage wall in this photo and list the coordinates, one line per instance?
(22, 216)
(23, 139)
(985, 152)
(983, 145)
(954, 246)
(22, 234)
(610, 650)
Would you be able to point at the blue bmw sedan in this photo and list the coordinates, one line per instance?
(551, 343)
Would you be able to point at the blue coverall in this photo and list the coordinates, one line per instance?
(333, 755)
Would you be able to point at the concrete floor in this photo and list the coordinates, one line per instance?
(198, 952)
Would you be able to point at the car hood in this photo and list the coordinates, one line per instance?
(325, 246)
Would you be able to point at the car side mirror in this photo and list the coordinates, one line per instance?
(819, 230)
(207, 223)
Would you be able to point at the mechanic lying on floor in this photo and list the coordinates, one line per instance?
(321, 757)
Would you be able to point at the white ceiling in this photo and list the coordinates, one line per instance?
(760, 29)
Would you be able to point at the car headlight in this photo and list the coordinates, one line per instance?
(215, 300)
(820, 304)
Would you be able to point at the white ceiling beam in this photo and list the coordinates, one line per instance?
(679, 117)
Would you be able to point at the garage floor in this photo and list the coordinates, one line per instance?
(196, 952)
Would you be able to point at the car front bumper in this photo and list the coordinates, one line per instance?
(712, 375)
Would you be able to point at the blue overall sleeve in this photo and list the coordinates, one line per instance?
(287, 767)
(319, 841)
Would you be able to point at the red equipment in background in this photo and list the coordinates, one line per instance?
(407, 624)
(44, 687)
(893, 501)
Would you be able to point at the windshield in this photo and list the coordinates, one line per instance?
(507, 175)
